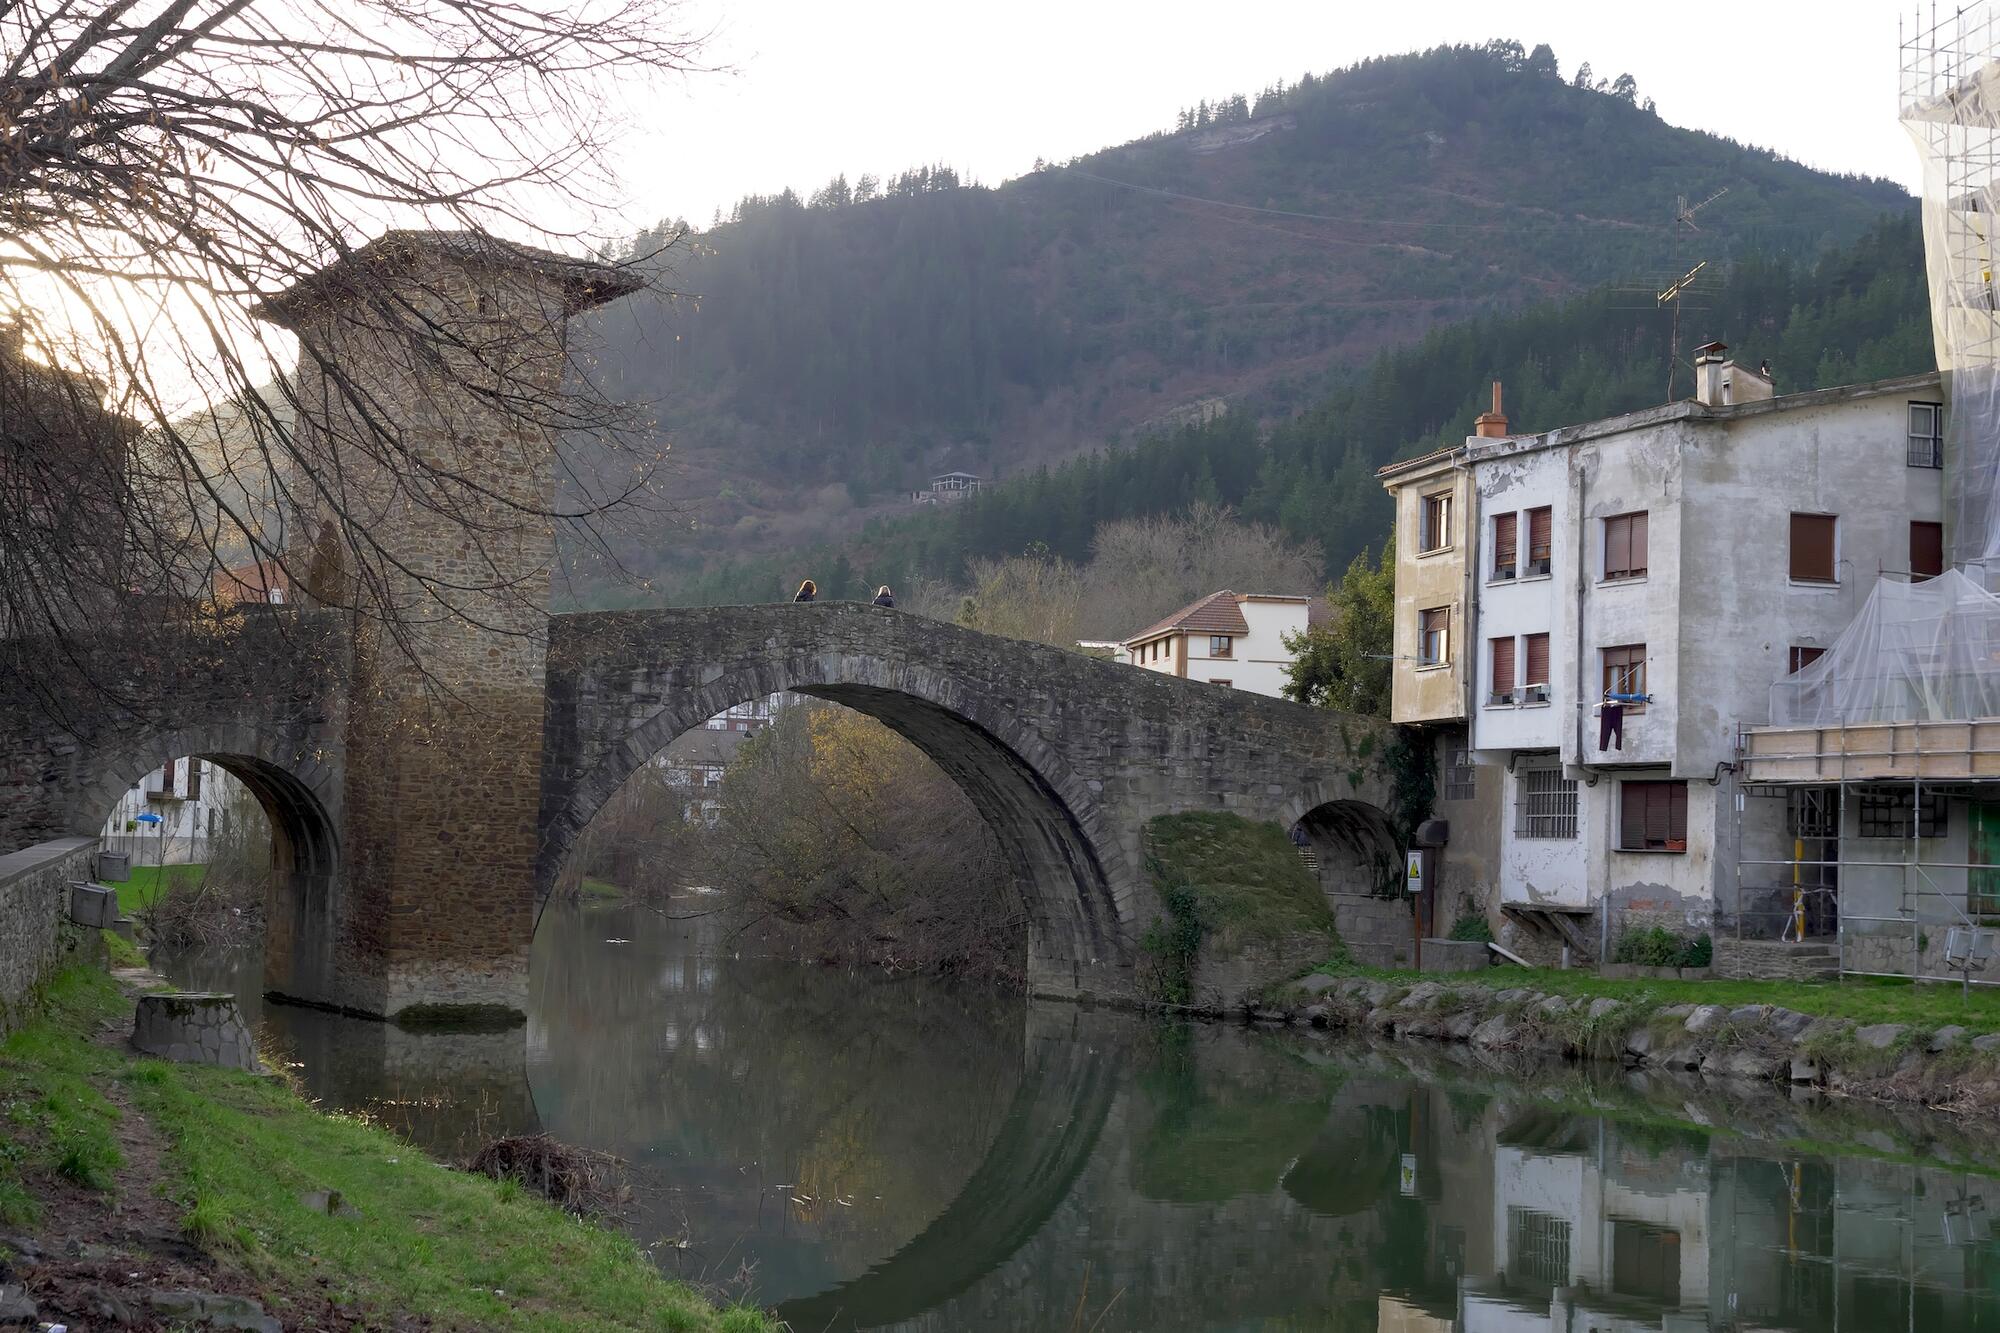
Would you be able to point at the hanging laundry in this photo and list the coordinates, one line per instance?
(1611, 726)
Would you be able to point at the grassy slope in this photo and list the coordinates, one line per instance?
(1247, 878)
(1865, 1000)
(144, 886)
(466, 1251)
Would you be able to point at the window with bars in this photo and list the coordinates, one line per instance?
(1926, 435)
(1460, 775)
(1537, 1248)
(1926, 551)
(1506, 545)
(1652, 816)
(1435, 533)
(1503, 671)
(1545, 803)
(1625, 546)
(1887, 814)
(1434, 636)
(1813, 548)
(1540, 532)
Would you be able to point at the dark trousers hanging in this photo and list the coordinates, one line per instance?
(1611, 727)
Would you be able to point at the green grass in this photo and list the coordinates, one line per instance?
(242, 1151)
(121, 951)
(1246, 876)
(601, 888)
(145, 885)
(1866, 1000)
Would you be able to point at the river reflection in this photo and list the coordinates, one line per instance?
(865, 1153)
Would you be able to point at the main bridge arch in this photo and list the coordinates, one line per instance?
(647, 678)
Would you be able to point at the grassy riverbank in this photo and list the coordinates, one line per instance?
(189, 1177)
(149, 882)
(1862, 999)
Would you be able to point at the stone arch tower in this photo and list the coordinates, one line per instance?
(425, 370)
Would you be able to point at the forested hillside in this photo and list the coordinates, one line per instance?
(1858, 312)
(837, 348)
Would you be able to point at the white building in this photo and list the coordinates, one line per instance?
(1686, 557)
(194, 801)
(694, 762)
(947, 488)
(1225, 638)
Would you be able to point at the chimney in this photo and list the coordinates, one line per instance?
(1491, 425)
(1709, 380)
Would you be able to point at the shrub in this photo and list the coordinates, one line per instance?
(1656, 946)
(1472, 929)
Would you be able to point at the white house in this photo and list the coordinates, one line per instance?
(1225, 638)
(693, 763)
(1668, 567)
(193, 800)
(947, 488)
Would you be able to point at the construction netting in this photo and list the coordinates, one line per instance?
(1919, 652)
(1951, 108)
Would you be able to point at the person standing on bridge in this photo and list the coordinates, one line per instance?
(807, 591)
(883, 597)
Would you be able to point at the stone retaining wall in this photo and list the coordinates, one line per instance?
(1769, 960)
(1375, 930)
(35, 938)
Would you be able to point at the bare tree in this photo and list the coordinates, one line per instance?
(170, 172)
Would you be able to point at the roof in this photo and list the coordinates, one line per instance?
(1420, 462)
(1217, 613)
(584, 282)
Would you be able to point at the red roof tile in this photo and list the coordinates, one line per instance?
(1216, 613)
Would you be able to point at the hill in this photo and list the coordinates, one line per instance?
(836, 349)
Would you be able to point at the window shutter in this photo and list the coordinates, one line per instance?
(1503, 665)
(1631, 815)
(194, 778)
(1658, 813)
(1538, 534)
(1926, 551)
(1506, 529)
(1638, 565)
(1677, 811)
(1812, 547)
(1617, 546)
(1538, 659)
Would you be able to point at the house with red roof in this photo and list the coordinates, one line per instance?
(1226, 638)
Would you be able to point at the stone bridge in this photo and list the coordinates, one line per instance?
(424, 785)
(1067, 756)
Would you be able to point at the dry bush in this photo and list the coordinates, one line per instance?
(582, 1181)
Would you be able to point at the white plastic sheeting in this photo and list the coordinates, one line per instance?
(1951, 108)
(1920, 652)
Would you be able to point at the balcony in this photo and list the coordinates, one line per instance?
(1864, 751)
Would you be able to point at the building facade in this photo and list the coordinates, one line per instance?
(194, 803)
(1634, 589)
(1226, 638)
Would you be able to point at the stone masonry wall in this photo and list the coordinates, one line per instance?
(34, 935)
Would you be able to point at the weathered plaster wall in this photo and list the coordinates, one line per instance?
(34, 936)
(1427, 579)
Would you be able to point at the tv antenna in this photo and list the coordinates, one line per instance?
(1673, 293)
(1684, 212)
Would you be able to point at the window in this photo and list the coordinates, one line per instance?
(1812, 548)
(1645, 1261)
(1803, 657)
(1225, 684)
(1926, 435)
(1434, 636)
(1545, 803)
(1625, 669)
(1886, 814)
(1652, 816)
(1625, 546)
(1436, 531)
(1219, 645)
(1538, 664)
(1537, 1248)
(718, 723)
(1503, 670)
(1926, 551)
(194, 779)
(1460, 775)
(1538, 540)
(1506, 545)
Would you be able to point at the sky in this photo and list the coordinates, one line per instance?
(814, 89)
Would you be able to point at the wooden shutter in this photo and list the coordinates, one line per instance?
(194, 778)
(1926, 551)
(1677, 811)
(1632, 815)
(1538, 660)
(1617, 546)
(1812, 547)
(1638, 529)
(1503, 665)
(1506, 549)
(1538, 533)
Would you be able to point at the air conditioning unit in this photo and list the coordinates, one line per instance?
(1536, 568)
(1500, 699)
(1534, 694)
(1500, 575)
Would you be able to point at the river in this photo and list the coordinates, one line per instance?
(875, 1153)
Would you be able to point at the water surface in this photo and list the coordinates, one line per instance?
(877, 1153)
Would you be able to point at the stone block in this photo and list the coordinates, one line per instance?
(1706, 1019)
(200, 1028)
(1945, 1038)
(1880, 1036)
(1455, 956)
(93, 905)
